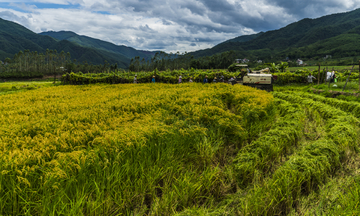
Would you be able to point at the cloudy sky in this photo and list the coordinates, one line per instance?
(168, 25)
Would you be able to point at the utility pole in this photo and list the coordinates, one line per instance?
(347, 80)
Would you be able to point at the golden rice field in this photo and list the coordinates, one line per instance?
(124, 149)
(186, 149)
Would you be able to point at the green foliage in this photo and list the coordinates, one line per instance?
(273, 67)
(282, 66)
(233, 68)
(288, 77)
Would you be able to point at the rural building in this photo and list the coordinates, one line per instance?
(260, 61)
(237, 61)
(328, 56)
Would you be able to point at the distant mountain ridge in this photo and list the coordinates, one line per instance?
(339, 32)
(86, 41)
(15, 38)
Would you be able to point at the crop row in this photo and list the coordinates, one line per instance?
(326, 111)
(259, 157)
(340, 125)
(306, 170)
(346, 106)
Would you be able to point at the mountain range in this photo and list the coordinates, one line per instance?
(337, 35)
(15, 38)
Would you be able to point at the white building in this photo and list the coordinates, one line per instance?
(300, 62)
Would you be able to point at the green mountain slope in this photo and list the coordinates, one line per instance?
(332, 34)
(85, 41)
(244, 38)
(15, 38)
(93, 56)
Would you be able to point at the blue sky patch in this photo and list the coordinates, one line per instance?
(26, 6)
(103, 12)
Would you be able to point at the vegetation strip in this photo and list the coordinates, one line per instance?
(146, 77)
(258, 158)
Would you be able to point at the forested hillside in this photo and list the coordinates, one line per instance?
(15, 38)
(89, 42)
(335, 35)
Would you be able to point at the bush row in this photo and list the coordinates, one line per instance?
(145, 77)
(288, 77)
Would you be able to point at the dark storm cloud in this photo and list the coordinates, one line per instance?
(165, 22)
(209, 19)
(203, 15)
(311, 8)
(258, 15)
